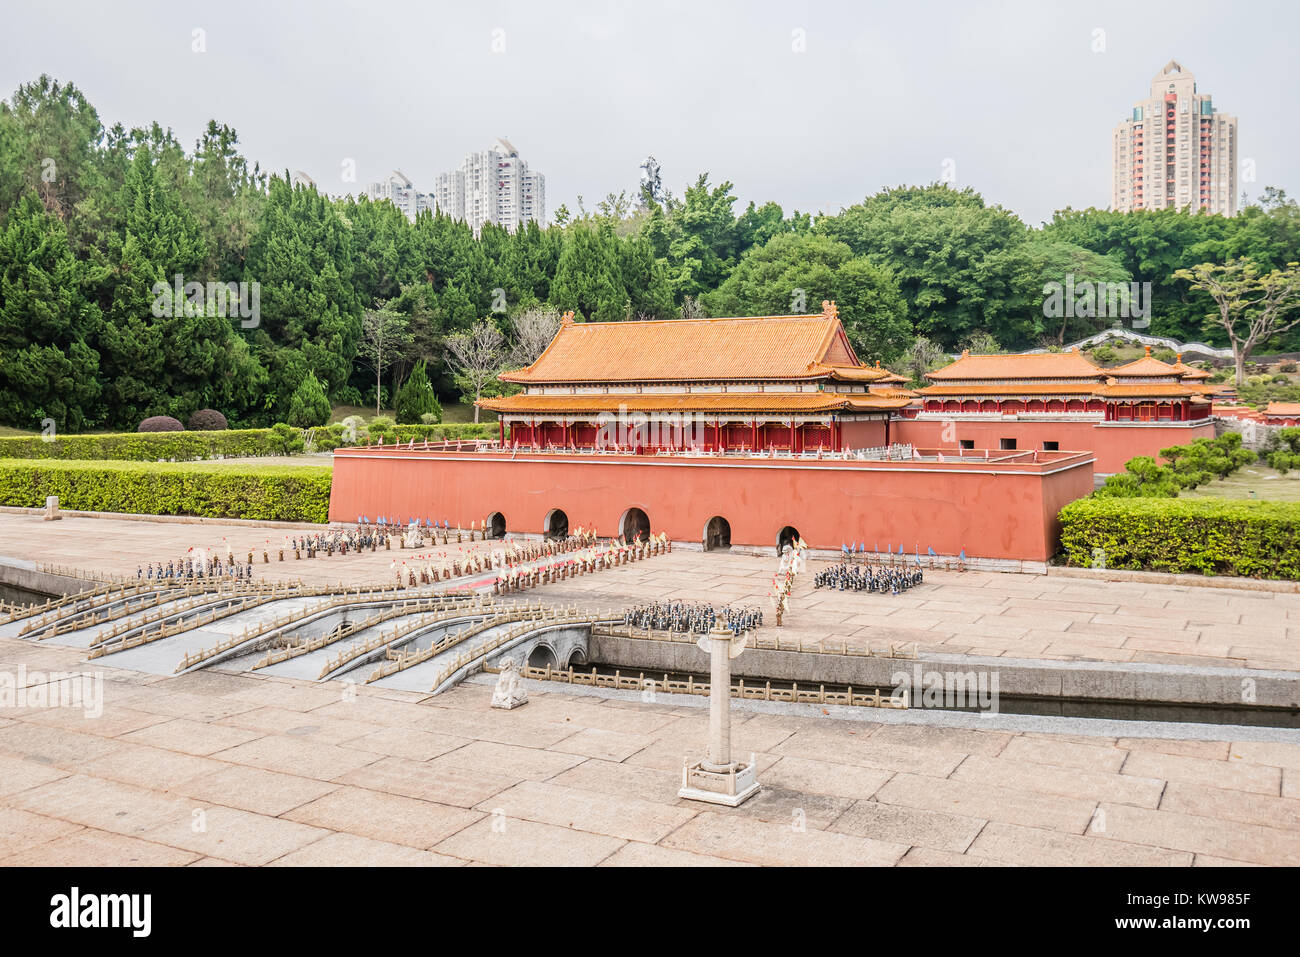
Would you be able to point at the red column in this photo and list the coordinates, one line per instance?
(887, 418)
(501, 431)
(793, 437)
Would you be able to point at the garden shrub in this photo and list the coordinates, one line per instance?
(1207, 536)
(161, 423)
(213, 490)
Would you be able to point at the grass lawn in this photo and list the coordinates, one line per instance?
(1252, 482)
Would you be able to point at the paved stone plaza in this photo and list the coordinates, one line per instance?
(978, 613)
(217, 767)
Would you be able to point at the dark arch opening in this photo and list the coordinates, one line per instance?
(540, 657)
(786, 538)
(557, 524)
(496, 525)
(717, 534)
(635, 524)
(576, 660)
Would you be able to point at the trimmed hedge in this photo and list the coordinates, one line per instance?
(149, 446)
(211, 490)
(1209, 536)
(232, 443)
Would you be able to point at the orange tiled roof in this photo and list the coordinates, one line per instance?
(1282, 408)
(694, 402)
(860, 373)
(764, 347)
(1146, 366)
(1157, 390)
(1017, 388)
(1187, 372)
(1041, 365)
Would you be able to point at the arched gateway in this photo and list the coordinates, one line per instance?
(634, 524)
(556, 524)
(717, 534)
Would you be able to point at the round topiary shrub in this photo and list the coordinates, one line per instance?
(161, 423)
(208, 420)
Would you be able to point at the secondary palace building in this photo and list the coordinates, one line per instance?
(1062, 400)
(787, 383)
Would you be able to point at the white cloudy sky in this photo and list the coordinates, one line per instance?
(1012, 92)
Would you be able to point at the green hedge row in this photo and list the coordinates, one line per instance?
(1209, 536)
(212, 490)
(150, 446)
(231, 443)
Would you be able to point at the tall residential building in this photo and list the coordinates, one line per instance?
(1175, 150)
(399, 190)
(493, 186)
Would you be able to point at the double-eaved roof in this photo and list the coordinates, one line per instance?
(1066, 373)
(782, 348)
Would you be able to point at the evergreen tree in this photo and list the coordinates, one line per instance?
(310, 313)
(49, 369)
(415, 398)
(309, 406)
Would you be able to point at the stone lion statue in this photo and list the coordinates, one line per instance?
(509, 692)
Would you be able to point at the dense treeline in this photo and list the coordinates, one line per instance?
(101, 230)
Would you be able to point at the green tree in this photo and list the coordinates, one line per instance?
(949, 254)
(1251, 305)
(49, 368)
(303, 256)
(415, 398)
(796, 272)
(308, 406)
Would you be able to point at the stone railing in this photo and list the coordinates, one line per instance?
(763, 692)
(410, 607)
(573, 617)
(479, 603)
(757, 643)
(404, 660)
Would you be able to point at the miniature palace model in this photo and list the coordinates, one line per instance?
(758, 431)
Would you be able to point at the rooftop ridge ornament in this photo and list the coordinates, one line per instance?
(567, 318)
(829, 309)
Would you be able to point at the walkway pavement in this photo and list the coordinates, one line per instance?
(215, 768)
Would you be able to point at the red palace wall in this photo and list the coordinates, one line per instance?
(1112, 444)
(999, 509)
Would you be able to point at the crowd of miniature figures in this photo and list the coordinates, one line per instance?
(584, 557)
(191, 567)
(863, 578)
(693, 618)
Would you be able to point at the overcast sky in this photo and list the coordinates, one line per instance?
(1014, 94)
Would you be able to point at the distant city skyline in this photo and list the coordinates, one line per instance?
(813, 106)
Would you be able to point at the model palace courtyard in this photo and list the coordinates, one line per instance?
(285, 768)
